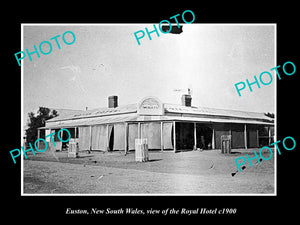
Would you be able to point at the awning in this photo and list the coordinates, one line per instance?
(203, 120)
(89, 121)
(136, 118)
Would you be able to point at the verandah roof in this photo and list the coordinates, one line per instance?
(168, 108)
(137, 118)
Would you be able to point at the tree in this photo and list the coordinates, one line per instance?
(271, 115)
(35, 122)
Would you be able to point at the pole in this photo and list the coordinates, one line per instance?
(126, 133)
(161, 137)
(213, 138)
(245, 136)
(38, 136)
(107, 138)
(257, 136)
(174, 136)
(195, 136)
(139, 130)
(90, 139)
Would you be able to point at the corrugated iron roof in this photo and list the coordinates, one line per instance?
(213, 111)
(128, 113)
(104, 111)
(137, 118)
(90, 121)
(201, 119)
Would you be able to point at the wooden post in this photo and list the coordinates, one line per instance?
(269, 132)
(91, 138)
(38, 136)
(76, 141)
(126, 134)
(107, 138)
(161, 137)
(139, 130)
(213, 138)
(230, 133)
(245, 136)
(195, 136)
(61, 136)
(174, 136)
(257, 140)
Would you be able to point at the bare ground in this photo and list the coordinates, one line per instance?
(192, 172)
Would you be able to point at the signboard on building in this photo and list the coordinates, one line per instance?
(150, 106)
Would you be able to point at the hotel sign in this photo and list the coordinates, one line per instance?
(150, 106)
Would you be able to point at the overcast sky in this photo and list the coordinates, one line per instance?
(106, 60)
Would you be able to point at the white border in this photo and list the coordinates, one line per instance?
(275, 113)
(22, 112)
(134, 24)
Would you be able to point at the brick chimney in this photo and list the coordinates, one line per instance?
(113, 101)
(186, 100)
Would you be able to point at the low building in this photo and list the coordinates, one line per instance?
(165, 126)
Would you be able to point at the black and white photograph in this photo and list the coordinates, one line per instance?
(149, 112)
(119, 114)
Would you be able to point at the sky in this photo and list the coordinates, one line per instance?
(105, 60)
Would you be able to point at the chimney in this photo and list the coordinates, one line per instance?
(113, 101)
(186, 100)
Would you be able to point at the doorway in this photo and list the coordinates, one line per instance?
(204, 136)
(184, 136)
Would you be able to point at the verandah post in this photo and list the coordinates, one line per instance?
(174, 136)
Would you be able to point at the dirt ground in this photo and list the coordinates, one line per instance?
(188, 173)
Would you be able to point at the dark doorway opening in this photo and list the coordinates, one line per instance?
(184, 136)
(204, 136)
